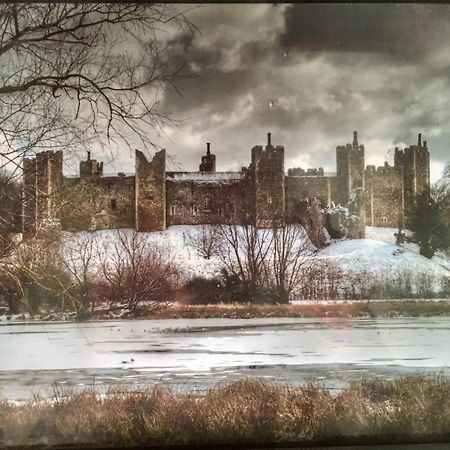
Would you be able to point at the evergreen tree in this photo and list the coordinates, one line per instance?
(430, 222)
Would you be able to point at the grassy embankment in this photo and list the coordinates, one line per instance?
(246, 411)
(391, 308)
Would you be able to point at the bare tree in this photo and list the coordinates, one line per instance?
(205, 239)
(10, 211)
(33, 275)
(243, 251)
(133, 272)
(292, 256)
(78, 256)
(82, 73)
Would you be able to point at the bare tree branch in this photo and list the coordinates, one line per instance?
(74, 74)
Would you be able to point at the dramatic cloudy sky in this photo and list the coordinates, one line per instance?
(311, 74)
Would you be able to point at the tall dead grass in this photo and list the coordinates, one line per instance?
(244, 411)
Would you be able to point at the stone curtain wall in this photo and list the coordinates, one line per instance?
(299, 189)
(193, 202)
(94, 203)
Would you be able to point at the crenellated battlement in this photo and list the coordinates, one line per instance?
(386, 169)
(299, 172)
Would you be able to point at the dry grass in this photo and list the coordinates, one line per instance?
(391, 308)
(245, 411)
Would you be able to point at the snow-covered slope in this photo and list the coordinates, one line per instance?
(377, 255)
(173, 242)
(380, 259)
(388, 235)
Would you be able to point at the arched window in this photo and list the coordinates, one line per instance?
(207, 203)
(194, 210)
(172, 210)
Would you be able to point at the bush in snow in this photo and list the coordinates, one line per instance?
(133, 272)
(204, 291)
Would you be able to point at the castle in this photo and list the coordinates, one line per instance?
(261, 194)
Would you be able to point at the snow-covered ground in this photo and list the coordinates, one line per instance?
(381, 259)
(377, 254)
(175, 243)
(388, 235)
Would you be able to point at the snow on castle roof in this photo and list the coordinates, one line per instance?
(204, 177)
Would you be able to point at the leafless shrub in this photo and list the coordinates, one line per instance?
(322, 281)
(134, 272)
(326, 281)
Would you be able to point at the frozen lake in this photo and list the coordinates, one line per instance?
(196, 353)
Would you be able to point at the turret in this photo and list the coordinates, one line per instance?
(208, 163)
(268, 178)
(355, 139)
(42, 182)
(150, 192)
(414, 162)
(350, 167)
(90, 167)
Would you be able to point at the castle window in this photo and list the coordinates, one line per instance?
(194, 210)
(384, 219)
(113, 203)
(220, 211)
(172, 210)
(207, 203)
(269, 200)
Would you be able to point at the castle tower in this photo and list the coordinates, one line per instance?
(29, 199)
(150, 192)
(41, 188)
(268, 179)
(208, 163)
(350, 168)
(90, 167)
(414, 162)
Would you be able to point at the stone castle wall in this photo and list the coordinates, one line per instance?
(261, 194)
(302, 188)
(194, 200)
(100, 203)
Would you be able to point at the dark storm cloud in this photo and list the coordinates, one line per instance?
(310, 74)
(400, 30)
